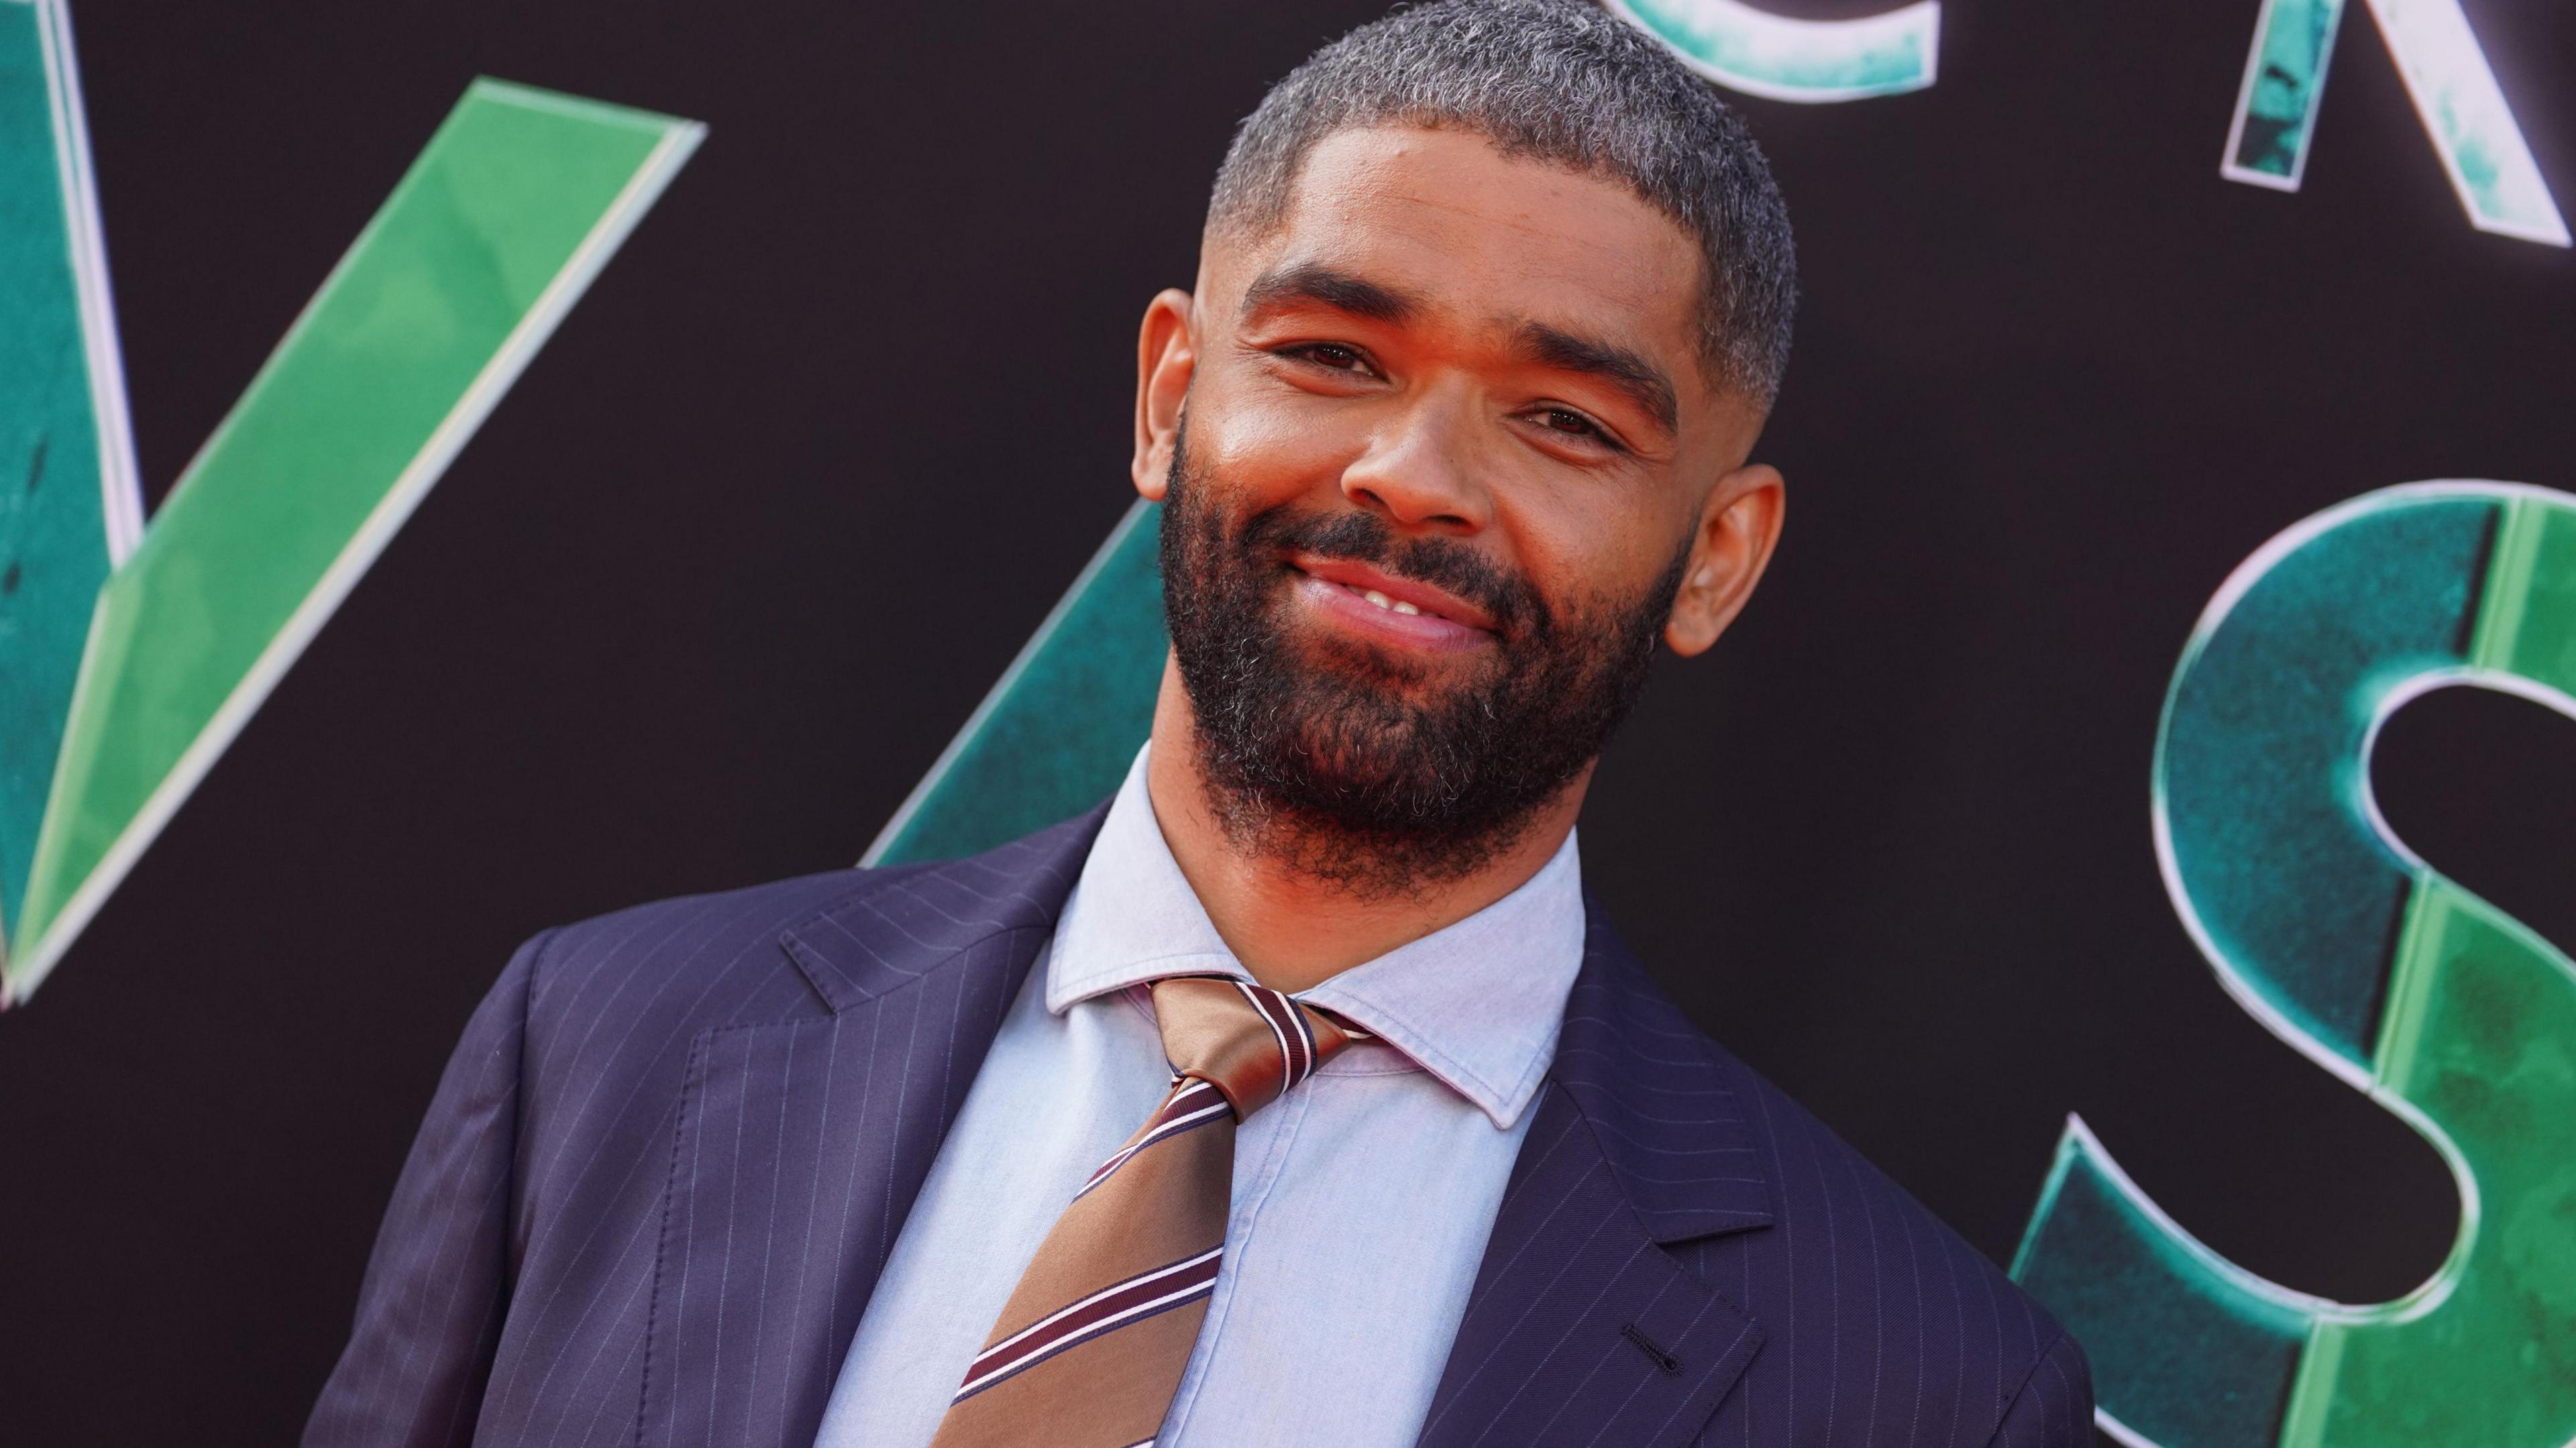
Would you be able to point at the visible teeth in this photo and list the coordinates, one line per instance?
(1384, 602)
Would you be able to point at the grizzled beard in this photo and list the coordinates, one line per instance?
(1315, 757)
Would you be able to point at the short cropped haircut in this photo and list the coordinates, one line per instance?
(1565, 83)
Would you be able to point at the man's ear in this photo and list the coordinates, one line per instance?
(1166, 354)
(1738, 527)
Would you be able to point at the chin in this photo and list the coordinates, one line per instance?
(1419, 679)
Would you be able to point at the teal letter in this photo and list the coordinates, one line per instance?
(2446, 74)
(70, 508)
(1763, 54)
(2328, 931)
(500, 224)
(1059, 728)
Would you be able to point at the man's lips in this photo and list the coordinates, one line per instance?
(1395, 610)
(1419, 597)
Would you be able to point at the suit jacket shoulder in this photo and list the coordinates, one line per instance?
(670, 1151)
(613, 1003)
(1875, 1322)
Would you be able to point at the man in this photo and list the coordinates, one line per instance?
(1493, 300)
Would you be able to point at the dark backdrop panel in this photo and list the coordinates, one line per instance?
(759, 526)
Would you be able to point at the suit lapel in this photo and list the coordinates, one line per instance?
(802, 1144)
(1580, 1323)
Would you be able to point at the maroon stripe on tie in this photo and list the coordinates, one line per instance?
(1296, 1049)
(1193, 1104)
(1305, 1033)
(1145, 1295)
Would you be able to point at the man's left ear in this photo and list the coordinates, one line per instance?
(1738, 527)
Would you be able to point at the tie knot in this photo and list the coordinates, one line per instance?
(1248, 1041)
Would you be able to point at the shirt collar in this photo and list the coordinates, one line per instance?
(1477, 1004)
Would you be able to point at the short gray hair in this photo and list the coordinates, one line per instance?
(1562, 82)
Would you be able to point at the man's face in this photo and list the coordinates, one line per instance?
(1449, 455)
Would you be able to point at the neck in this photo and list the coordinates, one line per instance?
(1294, 930)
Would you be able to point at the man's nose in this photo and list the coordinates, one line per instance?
(1419, 471)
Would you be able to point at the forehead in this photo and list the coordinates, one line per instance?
(1487, 238)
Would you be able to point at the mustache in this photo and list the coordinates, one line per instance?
(1357, 537)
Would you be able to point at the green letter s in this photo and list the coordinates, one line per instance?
(2324, 927)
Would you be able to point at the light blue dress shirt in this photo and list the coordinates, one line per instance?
(1362, 1199)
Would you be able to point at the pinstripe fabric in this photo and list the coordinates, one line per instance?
(671, 1153)
(675, 1145)
(1785, 1291)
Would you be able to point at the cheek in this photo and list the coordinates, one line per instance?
(1268, 448)
(1580, 546)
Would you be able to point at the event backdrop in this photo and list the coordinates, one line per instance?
(1934, 840)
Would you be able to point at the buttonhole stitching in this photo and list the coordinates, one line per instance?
(1663, 1359)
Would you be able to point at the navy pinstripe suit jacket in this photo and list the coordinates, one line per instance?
(675, 1145)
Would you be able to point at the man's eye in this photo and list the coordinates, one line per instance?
(1333, 355)
(1570, 422)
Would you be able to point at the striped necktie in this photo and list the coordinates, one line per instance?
(1092, 1344)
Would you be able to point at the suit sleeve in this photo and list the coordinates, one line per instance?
(2054, 1408)
(429, 1314)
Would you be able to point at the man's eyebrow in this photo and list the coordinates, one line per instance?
(1317, 284)
(1643, 381)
